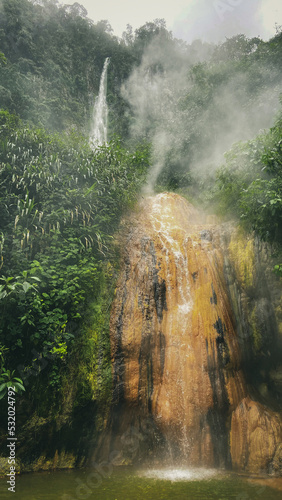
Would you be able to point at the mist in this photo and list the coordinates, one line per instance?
(191, 111)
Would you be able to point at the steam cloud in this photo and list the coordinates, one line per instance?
(159, 90)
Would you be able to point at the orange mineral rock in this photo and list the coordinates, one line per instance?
(176, 358)
(255, 436)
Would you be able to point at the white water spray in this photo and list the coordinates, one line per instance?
(181, 474)
(98, 135)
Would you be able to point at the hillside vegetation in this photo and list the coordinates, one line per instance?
(61, 203)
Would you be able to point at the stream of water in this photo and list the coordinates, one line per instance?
(98, 135)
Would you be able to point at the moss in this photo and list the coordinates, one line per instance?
(241, 249)
(60, 435)
(39, 463)
(256, 333)
(61, 460)
(5, 466)
(276, 465)
(278, 315)
(88, 377)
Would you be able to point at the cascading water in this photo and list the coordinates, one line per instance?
(179, 388)
(98, 135)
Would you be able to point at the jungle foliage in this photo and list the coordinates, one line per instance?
(51, 59)
(61, 202)
(249, 185)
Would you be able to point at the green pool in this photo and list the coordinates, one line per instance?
(132, 484)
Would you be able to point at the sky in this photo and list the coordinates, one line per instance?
(210, 20)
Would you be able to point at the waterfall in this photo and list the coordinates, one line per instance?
(180, 393)
(98, 135)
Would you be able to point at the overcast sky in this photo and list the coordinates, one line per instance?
(211, 20)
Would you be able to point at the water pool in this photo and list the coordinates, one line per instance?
(132, 484)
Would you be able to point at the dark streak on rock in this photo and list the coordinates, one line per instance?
(118, 365)
(146, 302)
(150, 381)
(218, 415)
(195, 275)
(162, 352)
(160, 297)
(222, 347)
(219, 436)
(206, 235)
(213, 298)
(159, 286)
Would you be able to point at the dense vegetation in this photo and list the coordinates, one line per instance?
(249, 185)
(61, 202)
(53, 59)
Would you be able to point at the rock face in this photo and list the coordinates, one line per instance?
(255, 294)
(176, 358)
(255, 437)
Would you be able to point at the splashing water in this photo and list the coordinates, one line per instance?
(180, 474)
(165, 323)
(168, 228)
(98, 135)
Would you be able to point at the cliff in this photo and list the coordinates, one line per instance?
(177, 350)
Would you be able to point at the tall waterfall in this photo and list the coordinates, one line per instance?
(98, 135)
(180, 392)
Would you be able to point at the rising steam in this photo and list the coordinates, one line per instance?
(162, 93)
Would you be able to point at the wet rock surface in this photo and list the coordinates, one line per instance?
(179, 387)
(255, 438)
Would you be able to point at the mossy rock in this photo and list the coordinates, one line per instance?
(276, 464)
(242, 254)
(62, 460)
(5, 466)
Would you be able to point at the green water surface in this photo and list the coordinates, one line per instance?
(126, 484)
